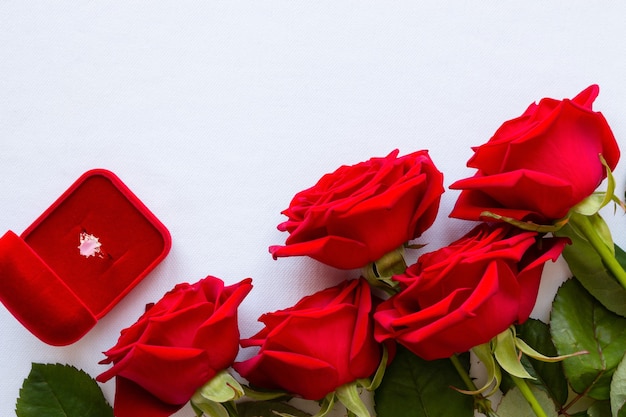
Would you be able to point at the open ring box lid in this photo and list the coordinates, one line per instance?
(58, 293)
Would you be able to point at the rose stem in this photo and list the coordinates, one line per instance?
(585, 226)
(482, 404)
(529, 396)
(462, 373)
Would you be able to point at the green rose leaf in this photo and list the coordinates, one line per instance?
(61, 391)
(579, 322)
(587, 267)
(618, 390)
(514, 404)
(549, 374)
(413, 387)
(599, 409)
(268, 408)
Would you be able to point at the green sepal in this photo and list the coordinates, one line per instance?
(215, 398)
(374, 383)
(550, 375)
(379, 273)
(390, 264)
(223, 387)
(326, 406)
(529, 351)
(348, 395)
(599, 199)
(527, 225)
(263, 395)
(602, 229)
(618, 203)
(506, 354)
(592, 204)
(484, 354)
(199, 413)
(210, 408)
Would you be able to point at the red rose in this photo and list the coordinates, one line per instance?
(465, 294)
(540, 165)
(177, 346)
(325, 341)
(359, 213)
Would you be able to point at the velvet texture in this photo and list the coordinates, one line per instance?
(465, 294)
(178, 345)
(56, 292)
(538, 166)
(359, 213)
(323, 342)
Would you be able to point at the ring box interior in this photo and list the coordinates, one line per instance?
(58, 293)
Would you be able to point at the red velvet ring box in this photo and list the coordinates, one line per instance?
(79, 258)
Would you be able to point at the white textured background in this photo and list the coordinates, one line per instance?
(215, 113)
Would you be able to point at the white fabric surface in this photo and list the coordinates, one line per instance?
(215, 113)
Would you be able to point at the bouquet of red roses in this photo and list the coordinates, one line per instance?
(408, 333)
